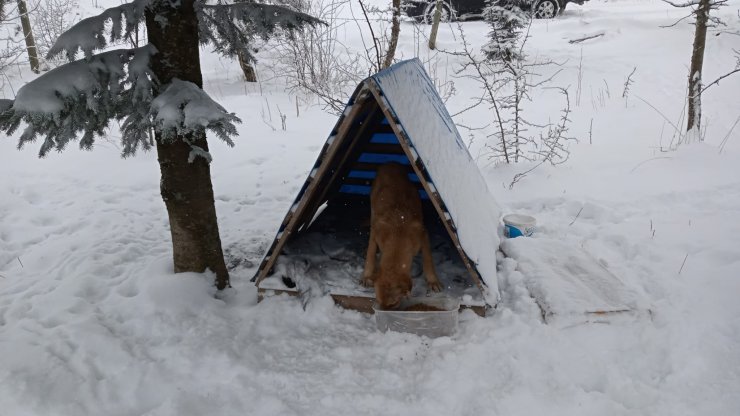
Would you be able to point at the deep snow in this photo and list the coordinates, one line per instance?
(93, 321)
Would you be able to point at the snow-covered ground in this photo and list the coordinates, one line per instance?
(94, 322)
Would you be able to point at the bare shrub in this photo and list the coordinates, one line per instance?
(506, 79)
(12, 48)
(50, 19)
(315, 60)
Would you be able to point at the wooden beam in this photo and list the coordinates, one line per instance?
(345, 159)
(383, 148)
(355, 303)
(292, 217)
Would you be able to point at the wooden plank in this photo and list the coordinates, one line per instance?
(384, 128)
(383, 148)
(372, 166)
(357, 181)
(340, 167)
(420, 171)
(569, 285)
(355, 303)
(369, 182)
(345, 124)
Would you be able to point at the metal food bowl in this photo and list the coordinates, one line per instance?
(428, 323)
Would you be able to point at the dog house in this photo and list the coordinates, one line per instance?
(396, 116)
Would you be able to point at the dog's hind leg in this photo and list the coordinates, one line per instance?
(426, 256)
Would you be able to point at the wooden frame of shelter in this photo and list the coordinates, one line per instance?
(401, 101)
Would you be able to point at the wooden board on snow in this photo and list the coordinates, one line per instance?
(571, 286)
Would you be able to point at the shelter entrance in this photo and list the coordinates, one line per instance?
(394, 116)
(329, 256)
(328, 252)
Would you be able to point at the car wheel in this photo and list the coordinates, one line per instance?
(447, 13)
(545, 9)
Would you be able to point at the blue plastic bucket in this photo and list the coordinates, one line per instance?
(518, 225)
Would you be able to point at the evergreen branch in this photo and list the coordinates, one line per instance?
(232, 28)
(81, 98)
(268, 17)
(88, 34)
(182, 108)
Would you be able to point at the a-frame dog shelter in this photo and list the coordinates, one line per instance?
(397, 116)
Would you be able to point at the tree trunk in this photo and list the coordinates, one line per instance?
(395, 32)
(435, 25)
(697, 61)
(186, 187)
(33, 57)
(249, 74)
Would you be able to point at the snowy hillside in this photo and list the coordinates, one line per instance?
(93, 321)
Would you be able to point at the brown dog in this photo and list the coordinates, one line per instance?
(397, 229)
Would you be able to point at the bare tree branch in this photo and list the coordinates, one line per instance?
(685, 4)
(716, 81)
(579, 40)
(372, 33)
(677, 21)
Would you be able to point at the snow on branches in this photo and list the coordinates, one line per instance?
(507, 22)
(183, 107)
(232, 28)
(88, 34)
(84, 95)
(81, 97)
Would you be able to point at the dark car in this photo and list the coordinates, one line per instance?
(423, 10)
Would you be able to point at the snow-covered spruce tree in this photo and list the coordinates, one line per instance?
(507, 21)
(506, 76)
(157, 87)
(508, 69)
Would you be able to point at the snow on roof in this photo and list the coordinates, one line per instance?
(411, 95)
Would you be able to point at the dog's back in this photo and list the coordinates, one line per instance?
(397, 229)
(394, 200)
